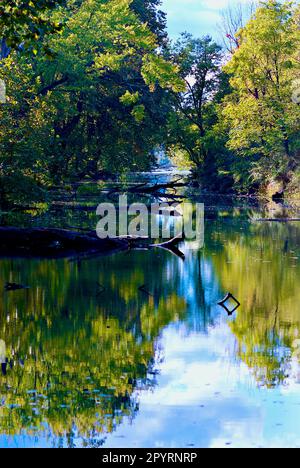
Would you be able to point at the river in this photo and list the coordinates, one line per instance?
(117, 366)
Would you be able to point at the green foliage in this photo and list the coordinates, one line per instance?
(138, 113)
(261, 118)
(238, 123)
(155, 71)
(192, 125)
(129, 98)
(88, 104)
(28, 191)
(97, 103)
(148, 11)
(24, 21)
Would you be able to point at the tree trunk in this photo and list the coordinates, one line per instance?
(51, 242)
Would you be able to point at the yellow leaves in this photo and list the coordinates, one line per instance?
(262, 70)
(109, 61)
(122, 36)
(129, 98)
(156, 70)
(138, 113)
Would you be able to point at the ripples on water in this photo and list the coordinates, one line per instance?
(125, 369)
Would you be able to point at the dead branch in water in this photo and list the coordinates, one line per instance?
(136, 244)
(158, 187)
(172, 246)
(145, 291)
(170, 243)
(156, 190)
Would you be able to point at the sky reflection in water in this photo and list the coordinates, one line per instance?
(170, 370)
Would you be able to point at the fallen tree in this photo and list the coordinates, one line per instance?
(50, 242)
(56, 243)
(157, 190)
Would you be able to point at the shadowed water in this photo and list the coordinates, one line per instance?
(115, 366)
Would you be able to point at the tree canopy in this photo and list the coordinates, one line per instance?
(78, 104)
(24, 21)
(96, 87)
(262, 119)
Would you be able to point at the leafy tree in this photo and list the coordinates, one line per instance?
(192, 125)
(262, 120)
(97, 103)
(25, 21)
(149, 12)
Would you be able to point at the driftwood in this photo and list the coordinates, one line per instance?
(145, 188)
(56, 243)
(138, 243)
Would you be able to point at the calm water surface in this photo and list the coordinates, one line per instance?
(115, 367)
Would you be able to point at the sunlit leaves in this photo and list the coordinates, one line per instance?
(138, 113)
(156, 70)
(82, 92)
(260, 113)
(129, 98)
(24, 21)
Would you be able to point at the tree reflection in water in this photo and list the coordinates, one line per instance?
(78, 360)
(75, 361)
